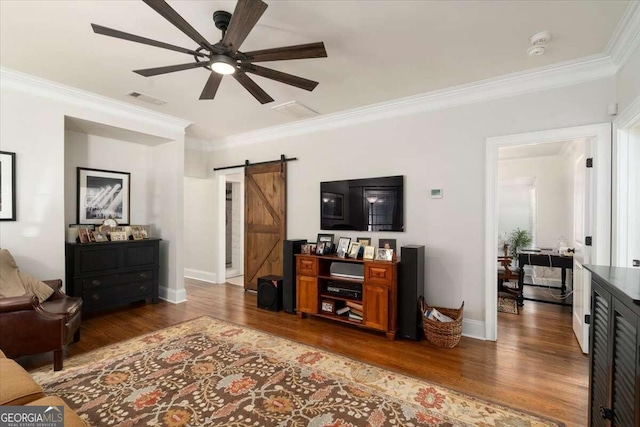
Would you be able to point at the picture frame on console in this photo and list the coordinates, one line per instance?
(383, 254)
(387, 244)
(327, 240)
(103, 194)
(343, 246)
(354, 249)
(7, 186)
(369, 253)
(364, 241)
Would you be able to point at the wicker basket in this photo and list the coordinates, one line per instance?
(442, 334)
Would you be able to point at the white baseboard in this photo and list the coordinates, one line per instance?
(204, 276)
(473, 329)
(172, 295)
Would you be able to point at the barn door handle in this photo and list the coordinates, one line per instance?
(606, 413)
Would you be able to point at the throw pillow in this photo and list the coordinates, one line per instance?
(35, 286)
(14, 283)
(10, 283)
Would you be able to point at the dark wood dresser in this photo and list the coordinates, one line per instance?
(614, 353)
(110, 274)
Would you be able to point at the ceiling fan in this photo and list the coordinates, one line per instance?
(224, 57)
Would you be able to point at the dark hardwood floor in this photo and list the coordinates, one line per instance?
(536, 364)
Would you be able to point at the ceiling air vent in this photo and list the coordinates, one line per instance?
(146, 98)
(295, 110)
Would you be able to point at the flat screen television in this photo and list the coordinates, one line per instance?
(368, 204)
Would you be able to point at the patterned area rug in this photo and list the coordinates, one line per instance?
(206, 372)
(507, 303)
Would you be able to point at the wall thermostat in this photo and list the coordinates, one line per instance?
(436, 193)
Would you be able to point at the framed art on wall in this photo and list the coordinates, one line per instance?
(103, 194)
(7, 186)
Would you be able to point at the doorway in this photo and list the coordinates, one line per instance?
(230, 245)
(597, 211)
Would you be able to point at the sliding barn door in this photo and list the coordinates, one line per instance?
(265, 221)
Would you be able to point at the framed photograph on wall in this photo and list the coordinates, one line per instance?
(103, 194)
(7, 186)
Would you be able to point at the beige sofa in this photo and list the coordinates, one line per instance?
(17, 388)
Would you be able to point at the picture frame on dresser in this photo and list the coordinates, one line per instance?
(7, 186)
(103, 194)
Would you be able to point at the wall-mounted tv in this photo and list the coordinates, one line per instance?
(369, 204)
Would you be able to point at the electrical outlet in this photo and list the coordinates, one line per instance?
(636, 262)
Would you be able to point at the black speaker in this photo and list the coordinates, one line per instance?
(270, 293)
(290, 248)
(410, 287)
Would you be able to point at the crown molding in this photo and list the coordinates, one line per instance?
(26, 83)
(626, 38)
(544, 78)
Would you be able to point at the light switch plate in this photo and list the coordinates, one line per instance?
(436, 193)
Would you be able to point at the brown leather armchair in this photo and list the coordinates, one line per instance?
(29, 327)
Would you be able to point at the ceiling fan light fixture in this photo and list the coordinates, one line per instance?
(222, 64)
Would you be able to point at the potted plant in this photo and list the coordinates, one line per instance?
(519, 239)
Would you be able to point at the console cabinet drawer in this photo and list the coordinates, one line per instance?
(307, 266)
(379, 274)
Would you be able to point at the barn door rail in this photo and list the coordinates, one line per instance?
(282, 159)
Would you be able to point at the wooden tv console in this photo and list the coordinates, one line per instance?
(379, 291)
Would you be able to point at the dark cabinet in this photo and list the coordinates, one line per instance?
(614, 350)
(111, 274)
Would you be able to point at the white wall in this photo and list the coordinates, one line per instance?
(436, 149)
(552, 190)
(628, 81)
(96, 152)
(199, 212)
(32, 117)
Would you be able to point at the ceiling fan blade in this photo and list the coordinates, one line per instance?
(210, 89)
(148, 72)
(105, 31)
(301, 51)
(172, 16)
(244, 18)
(252, 87)
(279, 76)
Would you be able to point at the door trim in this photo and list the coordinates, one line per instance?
(222, 178)
(622, 127)
(601, 133)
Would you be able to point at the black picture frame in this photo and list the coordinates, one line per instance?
(327, 239)
(91, 183)
(332, 205)
(8, 205)
(391, 242)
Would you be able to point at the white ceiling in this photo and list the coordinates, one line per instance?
(533, 150)
(377, 50)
